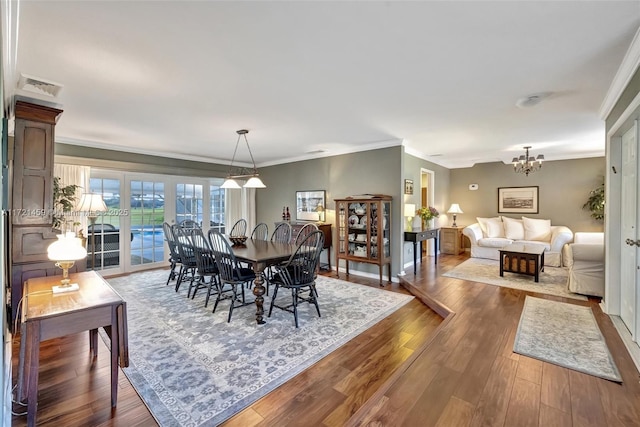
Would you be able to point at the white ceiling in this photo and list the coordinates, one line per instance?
(178, 78)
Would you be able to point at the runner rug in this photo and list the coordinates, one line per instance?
(192, 368)
(552, 281)
(566, 335)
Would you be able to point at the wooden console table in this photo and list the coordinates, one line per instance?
(46, 316)
(418, 237)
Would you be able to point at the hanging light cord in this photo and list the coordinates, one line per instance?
(244, 133)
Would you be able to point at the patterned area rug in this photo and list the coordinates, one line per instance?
(566, 335)
(192, 368)
(553, 280)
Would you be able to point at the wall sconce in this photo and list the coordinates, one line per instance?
(455, 210)
(409, 213)
(66, 251)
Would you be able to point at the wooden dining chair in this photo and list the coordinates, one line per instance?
(299, 274)
(187, 256)
(282, 233)
(304, 232)
(239, 228)
(206, 266)
(230, 272)
(174, 256)
(260, 232)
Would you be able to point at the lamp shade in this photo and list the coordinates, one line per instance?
(254, 182)
(91, 202)
(230, 184)
(409, 210)
(68, 247)
(455, 209)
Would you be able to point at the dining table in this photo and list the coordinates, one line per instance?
(260, 254)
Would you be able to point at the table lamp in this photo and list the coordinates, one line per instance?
(92, 203)
(320, 210)
(409, 213)
(455, 210)
(66, 251)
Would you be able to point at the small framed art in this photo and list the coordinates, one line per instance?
(518, 200)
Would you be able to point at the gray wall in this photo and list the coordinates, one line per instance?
(374, 171)
(564, 186)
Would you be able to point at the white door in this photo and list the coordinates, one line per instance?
(629, 230)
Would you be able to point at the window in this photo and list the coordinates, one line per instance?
(216, 221)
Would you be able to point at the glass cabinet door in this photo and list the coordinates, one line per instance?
(341, 210)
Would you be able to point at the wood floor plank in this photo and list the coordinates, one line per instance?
(586, 406)
(524, 404)
(530, 369)
(554, 389)
(494, 400)
(457, 413)
(553, 417)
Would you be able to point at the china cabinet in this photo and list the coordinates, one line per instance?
(364, 231)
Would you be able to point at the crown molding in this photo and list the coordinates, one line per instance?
(628, 67)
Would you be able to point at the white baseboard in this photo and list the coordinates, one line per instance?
(342, 270)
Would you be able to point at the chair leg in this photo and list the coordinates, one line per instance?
(211, 285)
(180, 277)
(294, 295)
(172, 272)
(234, 299)
(218, 297)
(314, 299)
(273, 299)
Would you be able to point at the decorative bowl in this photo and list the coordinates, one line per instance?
(238, 240)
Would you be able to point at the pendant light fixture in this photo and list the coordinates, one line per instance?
(254, 181)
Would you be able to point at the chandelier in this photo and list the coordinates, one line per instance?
(241, 173)
(527, 164)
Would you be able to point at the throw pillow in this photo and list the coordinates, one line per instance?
(513, 228)
(483, 224)
(537, 229)
(494, 228)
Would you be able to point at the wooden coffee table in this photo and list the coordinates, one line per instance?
(522, 258)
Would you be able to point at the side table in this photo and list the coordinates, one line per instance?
(418, 237)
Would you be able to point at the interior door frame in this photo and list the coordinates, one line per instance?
(611, 303)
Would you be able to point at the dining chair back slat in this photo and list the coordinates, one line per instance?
(206, 265)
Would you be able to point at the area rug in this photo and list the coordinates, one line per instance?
(566, 335)
(192, 368)
(553, 280)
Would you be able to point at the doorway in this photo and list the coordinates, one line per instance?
(427, 198)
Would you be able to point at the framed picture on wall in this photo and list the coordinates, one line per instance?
(408, 186)
(310, 205)
(518, 200)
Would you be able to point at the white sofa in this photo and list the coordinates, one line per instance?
(585, 259)
(488, 235)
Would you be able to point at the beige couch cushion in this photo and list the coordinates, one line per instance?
(513, 228)
(537, 230)
(494, 242)
(491, 227)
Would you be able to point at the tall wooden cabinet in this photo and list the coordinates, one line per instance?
(364, 231)
(31, 196)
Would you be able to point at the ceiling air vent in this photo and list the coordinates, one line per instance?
(39, 86)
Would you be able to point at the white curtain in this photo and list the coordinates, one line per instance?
(240, 204)
(74, 175)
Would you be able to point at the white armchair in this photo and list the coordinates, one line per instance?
(585, 259)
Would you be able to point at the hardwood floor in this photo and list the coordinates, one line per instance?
(413, 369)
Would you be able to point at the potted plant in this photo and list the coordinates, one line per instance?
(595, 203)
(64, 199)
(427, 214)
